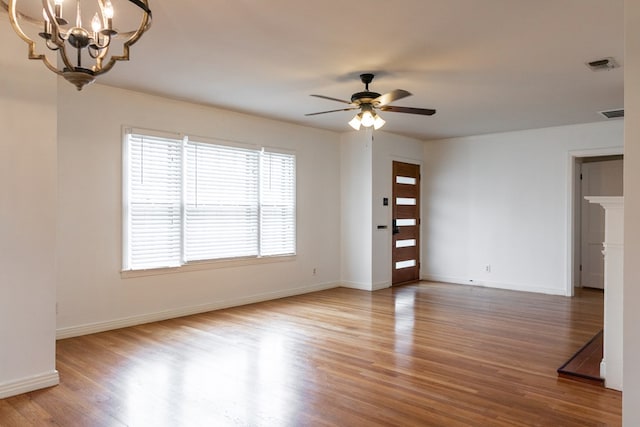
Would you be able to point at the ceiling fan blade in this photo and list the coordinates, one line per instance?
(388, 98)
(332, 111)
(332, 99)
(410, 110)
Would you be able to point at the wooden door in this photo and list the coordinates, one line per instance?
(406, 223)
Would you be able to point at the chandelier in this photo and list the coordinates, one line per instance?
(76, 53)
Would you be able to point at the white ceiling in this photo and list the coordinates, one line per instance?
(485, 65)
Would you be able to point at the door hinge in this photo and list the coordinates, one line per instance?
(580, 177)
(580, 267)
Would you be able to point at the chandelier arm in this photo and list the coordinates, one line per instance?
(142, 5)
(58, 40)
(145, 23)
(13, 19)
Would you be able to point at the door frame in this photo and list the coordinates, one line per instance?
(574, 210)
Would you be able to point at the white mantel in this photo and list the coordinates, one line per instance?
(611, 365)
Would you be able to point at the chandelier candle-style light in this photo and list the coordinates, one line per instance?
(76, 53)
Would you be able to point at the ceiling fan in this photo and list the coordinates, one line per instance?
(368, 102)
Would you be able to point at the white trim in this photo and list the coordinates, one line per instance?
(607, 202)
(92, 328)
(495, 285)
(356, 285)
(366, 287)
(207, 265)
(381, 285)
(25, 385)
(446, 279)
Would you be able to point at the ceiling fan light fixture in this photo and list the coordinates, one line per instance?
(367, 118)
(378, 122)
(356, 122)
(368, 102)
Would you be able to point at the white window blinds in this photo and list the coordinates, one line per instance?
(222, 202)
(277, 203)
(193, 201)
(153, 212)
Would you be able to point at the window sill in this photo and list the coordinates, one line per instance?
(206, 265)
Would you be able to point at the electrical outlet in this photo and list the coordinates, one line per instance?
(314, 271)
(487, 268)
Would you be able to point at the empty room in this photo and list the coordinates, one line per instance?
(284, 214)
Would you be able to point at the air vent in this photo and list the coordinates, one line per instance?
(613, 114)
(603, 64)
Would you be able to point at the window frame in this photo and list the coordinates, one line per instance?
(195, 265)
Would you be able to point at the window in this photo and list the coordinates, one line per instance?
(187, 200)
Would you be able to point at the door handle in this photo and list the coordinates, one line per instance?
(396, 229)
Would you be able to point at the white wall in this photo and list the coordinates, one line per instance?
(631, 373)
(502, 201)
(356, 156)
(27, 219)
(92, 295)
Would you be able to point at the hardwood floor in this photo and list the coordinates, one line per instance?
(585, 364)
(428, 354)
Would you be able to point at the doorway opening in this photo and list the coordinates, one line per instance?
(595, 175)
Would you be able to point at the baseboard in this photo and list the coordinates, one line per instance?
(446, 279)
(356, 285)
(495, 285)
(28, 384)
(92, 328)
(381, 285)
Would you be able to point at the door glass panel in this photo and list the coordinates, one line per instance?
(405, 222)
(405, 264)
(405, 180)
(405, 243)
(406, 201)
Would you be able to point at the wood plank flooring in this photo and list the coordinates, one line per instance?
(427, 354)
(585, 364)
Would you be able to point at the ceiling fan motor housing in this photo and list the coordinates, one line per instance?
(364, 97)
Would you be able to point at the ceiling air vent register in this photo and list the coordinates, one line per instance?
(613, 114)
(604, 64)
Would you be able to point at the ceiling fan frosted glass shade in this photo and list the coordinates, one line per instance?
(355, 122)
(367, 119)
(378, 122)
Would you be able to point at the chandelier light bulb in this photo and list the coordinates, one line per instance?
(96, 24)
(108, 9)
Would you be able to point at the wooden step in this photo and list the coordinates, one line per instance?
(584, 365)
